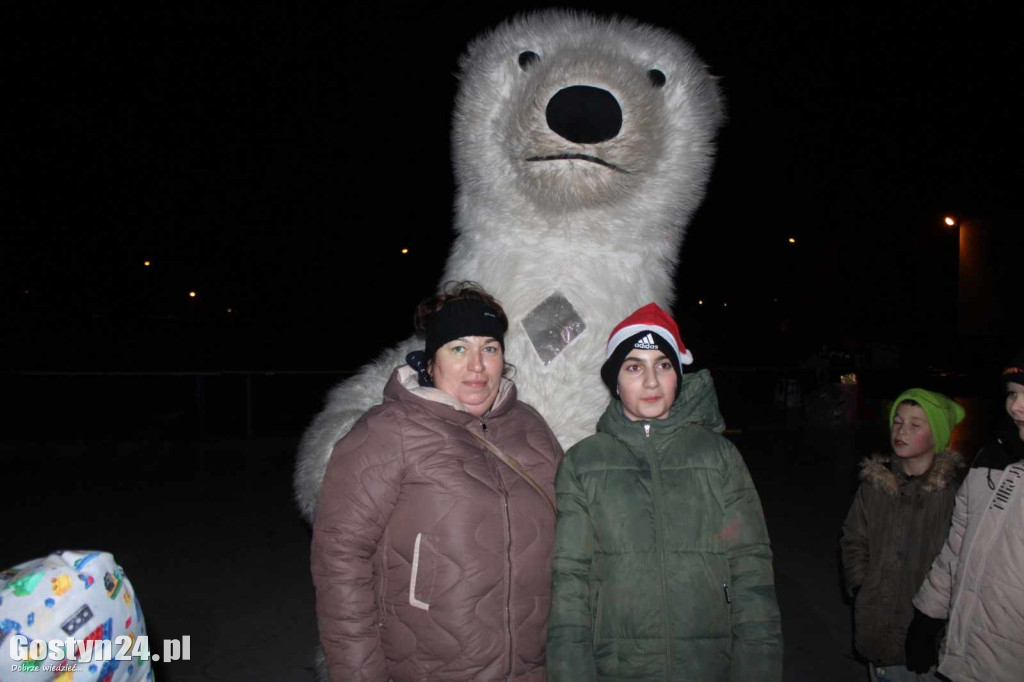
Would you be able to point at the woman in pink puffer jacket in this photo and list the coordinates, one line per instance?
(433, 536)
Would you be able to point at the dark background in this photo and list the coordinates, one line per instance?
(275, 157)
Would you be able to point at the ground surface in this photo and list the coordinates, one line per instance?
(208, 536)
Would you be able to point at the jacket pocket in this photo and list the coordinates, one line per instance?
(717, 617)
(595, 616)
(382, 578)
(417, 580)
(726, 598)
(720, 598)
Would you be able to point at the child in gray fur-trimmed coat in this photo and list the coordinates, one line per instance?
(896, 526)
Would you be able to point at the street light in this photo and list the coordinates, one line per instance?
(950, 221)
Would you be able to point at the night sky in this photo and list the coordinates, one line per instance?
(276, 157)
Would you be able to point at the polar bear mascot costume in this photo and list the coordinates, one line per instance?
(581, 148)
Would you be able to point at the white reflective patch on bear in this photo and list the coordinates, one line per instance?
(552, 326)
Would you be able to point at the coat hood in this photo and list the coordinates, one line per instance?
(878, 471)
(697, 405)
(404, 385)
(1003, 450)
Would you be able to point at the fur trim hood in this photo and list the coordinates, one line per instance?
(877, 470)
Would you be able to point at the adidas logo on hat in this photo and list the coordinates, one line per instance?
(650, 320)
(646, 343)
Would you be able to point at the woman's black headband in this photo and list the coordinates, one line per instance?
(464, 317)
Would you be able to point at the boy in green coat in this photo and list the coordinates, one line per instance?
(662, 566)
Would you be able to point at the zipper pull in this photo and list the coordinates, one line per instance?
(647, 430)
(728, 598)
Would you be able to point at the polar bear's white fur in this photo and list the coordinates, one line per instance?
(596, 223)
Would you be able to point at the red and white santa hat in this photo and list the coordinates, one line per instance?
(649, 328)
(650, 318)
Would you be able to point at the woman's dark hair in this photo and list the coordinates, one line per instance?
(455, 291)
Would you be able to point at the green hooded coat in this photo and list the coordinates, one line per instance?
(662, 566)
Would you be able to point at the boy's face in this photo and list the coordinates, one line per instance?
(911, 434)
(647, 385)
(1015, 405)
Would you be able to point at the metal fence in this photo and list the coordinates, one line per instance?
(190, 405)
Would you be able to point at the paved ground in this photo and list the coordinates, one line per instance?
(208, 535)
(806, 486)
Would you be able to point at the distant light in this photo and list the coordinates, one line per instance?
(950, 220)
(25, 291)
(231, 310)
(700, 302)
(146, 263)
(725, 304)
(405, 250)
(792, 240)
(191, 294)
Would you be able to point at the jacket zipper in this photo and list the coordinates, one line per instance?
(508, 556)
(659, 529)
(508, 592)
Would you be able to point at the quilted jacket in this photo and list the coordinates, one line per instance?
(662, 569)
(894, 529)
(977, 581)
(431, 557)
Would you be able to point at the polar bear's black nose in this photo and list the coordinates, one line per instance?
(584, 114)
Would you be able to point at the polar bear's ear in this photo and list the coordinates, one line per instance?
(657, 78)
(528, 59)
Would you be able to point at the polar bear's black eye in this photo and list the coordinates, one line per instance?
(656, 77)
(527, 59)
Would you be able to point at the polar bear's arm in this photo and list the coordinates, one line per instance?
(346, 402)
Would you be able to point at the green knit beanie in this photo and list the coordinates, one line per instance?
(943, 414)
